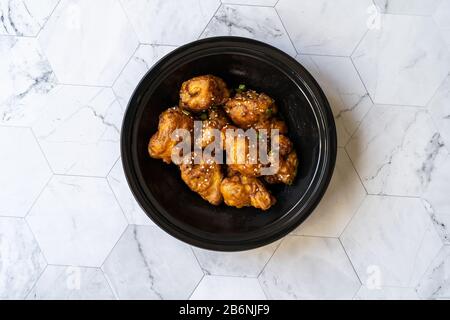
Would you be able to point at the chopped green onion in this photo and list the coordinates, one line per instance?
(269, 111)
(203, 116)
(241, 88)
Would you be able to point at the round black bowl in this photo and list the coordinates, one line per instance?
(158, 187)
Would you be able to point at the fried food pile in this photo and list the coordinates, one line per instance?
(242, 181)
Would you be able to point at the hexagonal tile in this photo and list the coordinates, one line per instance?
(169, 22)
(24, 17)
(228, 288)
(348, 98)
(119, 185)
(391, 241)
(244, 264)
(437, 200)
(75, 43)
(442, 19)
(71, 283)
(79, 131)
(435, 283)
(143, 59)
(387, 293)
(23, 171)
(309, 268)
(325, 27)
(393, 52)
(21, 260)
(26, 77)
(395, 150)
(88, 219)
(149, 264)
(259, 23)
(439, 108)
(343, 197)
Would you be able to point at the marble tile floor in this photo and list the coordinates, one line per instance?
(70, 228)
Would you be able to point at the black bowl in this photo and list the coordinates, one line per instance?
(158, 187)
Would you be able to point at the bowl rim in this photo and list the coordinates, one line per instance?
(320, 179)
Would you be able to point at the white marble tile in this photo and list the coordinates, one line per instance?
(411, 7)
(21, 260)
(439, 108)
(23, 171)
(147, 263)
(169, 21)
(88, 42)
(386, 293)
(407, 49)
(244, 264)
(309, 268)
(436, 198)
(345, 92)
(259, 23)
(342, 198)
(325, 27)
(442, 19)
(79, 131)
(391, 241)
(25, 78)
(144, 58)
(77, 221)
(71, 283)
(269, 3)
(435, 283)
(395, 150)
(228, 288)
(119, 185)
(24, 17)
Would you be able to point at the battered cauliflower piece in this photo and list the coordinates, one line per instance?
(242, 191)
(161, 144)
(239, 158)
(271, 124)
(248, 108)
(216, 119)
(287, 170)
(285, 145)
(201, 93)
(204, 178)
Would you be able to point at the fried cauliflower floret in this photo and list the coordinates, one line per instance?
(201, 93)
(271, 124)
(203, 178)
(285, 145)
(248, 108)
(240, 159)
(242, 191)
(287, 170)
(217, 120)
(161, 144)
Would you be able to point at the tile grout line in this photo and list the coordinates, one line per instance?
(197, 285)
(287, 32)
(210, 20)
(42, 150)
(26, 296)
(48, 19)
(125, 66)
(38, 196)
(118, 203)
(351, 263)
(271, 256)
